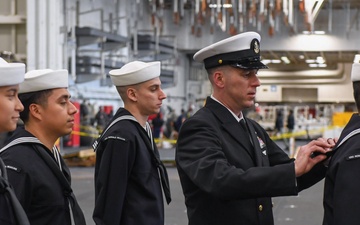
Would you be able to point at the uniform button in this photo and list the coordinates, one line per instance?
(260, 208)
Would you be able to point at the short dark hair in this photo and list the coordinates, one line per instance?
(37, 97)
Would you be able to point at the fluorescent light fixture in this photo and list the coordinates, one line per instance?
(310, 61)
(285, 59)
(315, 65)
(276, 61)
(318, 32)
(226, 6)
(320, 59)
(301, 57)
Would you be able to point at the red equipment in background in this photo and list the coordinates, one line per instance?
(108, 109)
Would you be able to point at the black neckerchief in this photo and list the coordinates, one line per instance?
(78, 215)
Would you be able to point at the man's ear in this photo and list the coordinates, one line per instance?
(132, 94)
(218, 76)
(35, 110)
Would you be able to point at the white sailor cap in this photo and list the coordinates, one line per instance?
(241, 50)
(135, 72)
(11, 73)
(44, 79)
(355, 71)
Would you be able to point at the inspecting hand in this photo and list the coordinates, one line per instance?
(306, 159)
(332, 141)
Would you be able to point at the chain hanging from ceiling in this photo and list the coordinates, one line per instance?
(235, 16)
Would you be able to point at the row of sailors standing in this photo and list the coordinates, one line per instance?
(228, 166)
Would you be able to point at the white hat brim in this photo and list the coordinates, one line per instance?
(135, 72)
(11, 73)
(38, 80)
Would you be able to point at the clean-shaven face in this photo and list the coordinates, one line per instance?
(241, 87)
(10, 107)
(150, 96)
(58, 114)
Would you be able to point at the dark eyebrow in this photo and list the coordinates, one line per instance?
(155, 85)
(65, 96)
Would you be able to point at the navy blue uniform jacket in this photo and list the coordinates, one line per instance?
(127, 183)
(342, 183)
(227, 180)
(35, 185)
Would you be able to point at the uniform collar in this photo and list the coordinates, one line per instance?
(238, 118)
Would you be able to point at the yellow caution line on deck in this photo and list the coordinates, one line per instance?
(318, 131)
(300, 133)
